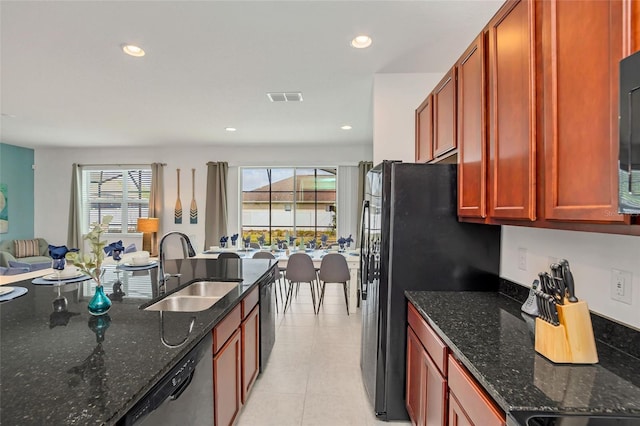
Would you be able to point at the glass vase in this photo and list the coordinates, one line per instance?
(99, 303)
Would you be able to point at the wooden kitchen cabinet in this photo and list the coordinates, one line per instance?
(469, 404)
(227, 383)
(512, 112)
(457, 416)
(426, 385)
(424, 131)
(250, 337)
(444, 115)
(471, 131)
(582, 45)
(236, 358)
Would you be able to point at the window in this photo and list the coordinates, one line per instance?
(122, 193)
(298, 201)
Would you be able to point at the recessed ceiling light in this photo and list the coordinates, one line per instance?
(230, 129)
(346, 127)
(361, 42)
(133, 50)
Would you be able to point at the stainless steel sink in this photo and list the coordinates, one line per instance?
(207, 289)
(195, 297)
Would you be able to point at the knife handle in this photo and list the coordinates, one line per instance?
(568, 278)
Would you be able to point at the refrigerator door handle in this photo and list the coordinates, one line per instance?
(364, 252)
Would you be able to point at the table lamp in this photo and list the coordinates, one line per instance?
(148, 226)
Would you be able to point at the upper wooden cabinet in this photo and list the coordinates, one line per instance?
(582, 44)
(471, 131)
(444, 114)
(424, 131)
(512, 107)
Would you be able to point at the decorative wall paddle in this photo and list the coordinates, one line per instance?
(193, 213)
(178, 208)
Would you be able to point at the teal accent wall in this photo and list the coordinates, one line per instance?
(16, 172)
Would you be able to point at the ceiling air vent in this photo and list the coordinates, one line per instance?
(285, 96)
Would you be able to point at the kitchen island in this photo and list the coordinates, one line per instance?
(66, 366)
(488, 335)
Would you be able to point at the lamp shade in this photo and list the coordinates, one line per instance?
(148, 224)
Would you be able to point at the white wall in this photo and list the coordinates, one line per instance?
(591, 256)
(395, 99)
(53, 177)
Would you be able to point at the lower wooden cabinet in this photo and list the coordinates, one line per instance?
(471, 404)
(250, 333)
(457, 416)
(236, 359)
(426, 387)
(439, 390)
(227, 382)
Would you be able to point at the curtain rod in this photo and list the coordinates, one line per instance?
(118, 165)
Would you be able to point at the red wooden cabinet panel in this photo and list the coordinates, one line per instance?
(424, 131)
(582, 44)
(457, 416)
(227, 381)
(444, 114)
(479, 408)
(472, 134)
(415, 377)
(512, 108)
(250, 333)
(434, 346)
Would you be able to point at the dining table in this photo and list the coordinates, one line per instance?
(351, 256)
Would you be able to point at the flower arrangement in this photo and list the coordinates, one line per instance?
(91, 263)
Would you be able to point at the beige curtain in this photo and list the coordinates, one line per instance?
(363, 169)
(215, 220)
(74, 232)
(156, 200)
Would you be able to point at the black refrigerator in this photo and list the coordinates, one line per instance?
(411, 240)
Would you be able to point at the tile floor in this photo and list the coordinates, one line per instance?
(313, 374)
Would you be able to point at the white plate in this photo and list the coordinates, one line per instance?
(136, 265)
(5, 289)
(54, 276)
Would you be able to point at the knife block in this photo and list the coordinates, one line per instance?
(570, 342)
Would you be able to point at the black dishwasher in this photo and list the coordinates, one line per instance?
(184, 396)
(267, 318)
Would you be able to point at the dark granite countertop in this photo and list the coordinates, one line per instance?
(488, 333)
(54, 368)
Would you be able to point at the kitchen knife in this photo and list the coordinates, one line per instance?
(542, 305)
(556, 273)
(556, 288)
(543, 282)
(568, 279)
(554, 312)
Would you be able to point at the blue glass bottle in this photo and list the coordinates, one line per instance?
(99, 303)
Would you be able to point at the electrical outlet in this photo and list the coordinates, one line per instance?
(621, 286)
(522, 258)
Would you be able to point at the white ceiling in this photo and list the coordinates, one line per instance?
(209, 64)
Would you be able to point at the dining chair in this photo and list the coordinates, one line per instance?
(278, 278)
(300, 269)
(254, 245)
(334, 269)
(228, 255)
